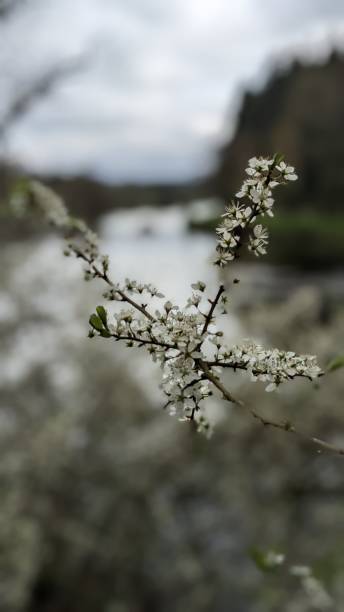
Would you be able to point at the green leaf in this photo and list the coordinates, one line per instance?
(96, 323)
(266, 561)
(336, 363)
(105, 334)
(278, 157)
(102, 314)
(259, 559)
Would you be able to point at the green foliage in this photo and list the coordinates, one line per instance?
(99, 322)
(278, 157)
(266, 561)
(336, 363)
(96, 322)
(102, 314)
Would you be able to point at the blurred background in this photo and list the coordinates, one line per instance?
(142, 115)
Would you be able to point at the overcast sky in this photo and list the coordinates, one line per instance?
(160, 83)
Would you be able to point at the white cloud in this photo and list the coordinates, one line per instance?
(160, 77)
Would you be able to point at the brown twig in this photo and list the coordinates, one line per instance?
(213, 304)
(287, 426)
(217, 383)
(104, 276)
(143, 341)
(266, 422)
(242, 231)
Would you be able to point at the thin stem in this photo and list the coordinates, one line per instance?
(104, 276)
(213, 304)
(151, 342)
(217, 383)
(134, 304)
(266, 422)
(288, 427)
(243, 230)
(243, 366)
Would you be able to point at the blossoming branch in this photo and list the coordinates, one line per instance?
(264, 176)
(186, 342)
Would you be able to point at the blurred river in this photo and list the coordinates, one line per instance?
(152, 245)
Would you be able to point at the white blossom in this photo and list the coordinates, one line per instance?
(268, 365)
(274, 559)
(288, 172)
(265, 174)
(199, 286)
(315, 592)
(258, 240)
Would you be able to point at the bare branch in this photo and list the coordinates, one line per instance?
(266, 422)
(218, 384)
(213, 303)
(104, 276)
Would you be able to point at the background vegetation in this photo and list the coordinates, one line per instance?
(108, 504)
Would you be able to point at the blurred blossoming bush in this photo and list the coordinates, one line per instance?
(111, 505)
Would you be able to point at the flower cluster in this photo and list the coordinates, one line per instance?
(258, 240)
(49, 203)
(173, 338)
(264, 175)
(115, 293)
(268, 365)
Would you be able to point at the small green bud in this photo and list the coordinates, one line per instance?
(96, 322)
(102, 314)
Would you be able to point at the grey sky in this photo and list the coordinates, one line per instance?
(159, 88)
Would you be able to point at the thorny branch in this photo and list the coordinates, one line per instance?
(185, 342)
